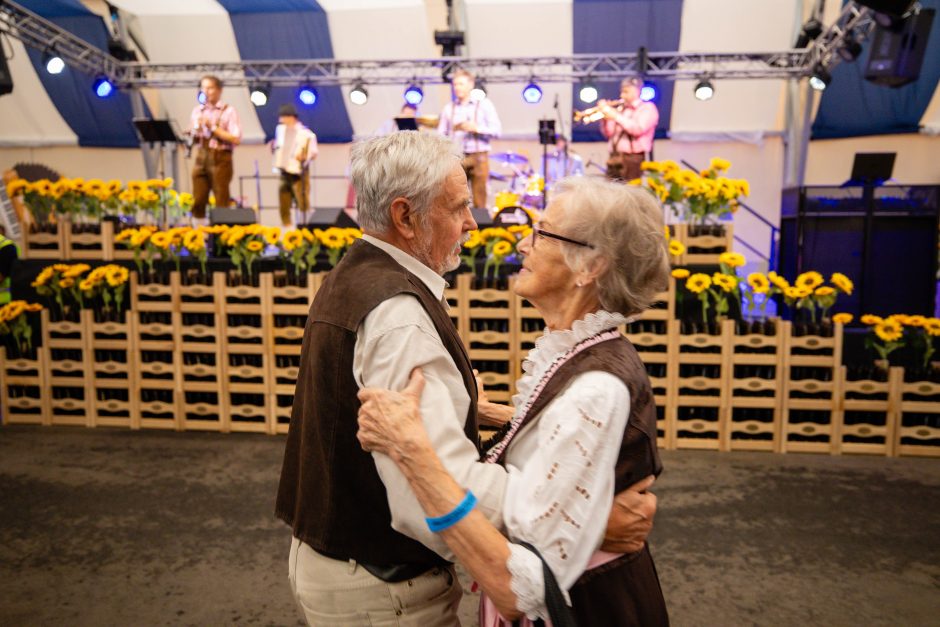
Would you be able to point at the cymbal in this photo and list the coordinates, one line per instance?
(509, 158)
(495, 176)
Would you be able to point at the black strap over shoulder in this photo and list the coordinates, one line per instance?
(558, 610)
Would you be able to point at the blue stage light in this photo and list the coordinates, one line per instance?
(532, 93)
(414, 95)
(307, 96)
(201, 97)
(648, 92)
(103, 86)
(587, 92)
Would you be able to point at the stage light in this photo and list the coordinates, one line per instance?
(53, 62)
(587, 92)
(307, 95)
(820, 77)
(648, 92)
(704, 90)
(414, 94)
(851, 48)
(479, 90)
(359, 95)
(532, 93)
(810, 31)
(259, 95)
(201, 97)
(103, 86)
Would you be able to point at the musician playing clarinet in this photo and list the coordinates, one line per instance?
(216, 130)
(629, 129)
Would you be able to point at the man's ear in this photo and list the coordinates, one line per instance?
(403, 218)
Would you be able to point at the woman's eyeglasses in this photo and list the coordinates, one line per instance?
(538, 232)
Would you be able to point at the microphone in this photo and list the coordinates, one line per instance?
(556, 101)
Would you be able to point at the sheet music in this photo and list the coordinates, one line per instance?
(9, 218)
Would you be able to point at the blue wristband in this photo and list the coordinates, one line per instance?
(454, 516)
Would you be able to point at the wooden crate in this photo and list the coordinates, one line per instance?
(108, 384)
(720, 244)
(867, 415)
(67, 371)
(246, 353)
(694, 417)
(23, 397)
(284, 322)
(155, 400)
(87, 246)
(755, 373)
(810, 404)
(199, 346)
(918, 431)
(44, 245)
(650, 337)
(489, 337)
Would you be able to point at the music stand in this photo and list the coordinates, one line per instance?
(158, 132)
(407, 124)
(872, 168)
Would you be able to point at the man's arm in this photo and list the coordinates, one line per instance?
(631, 518)
(396, 337)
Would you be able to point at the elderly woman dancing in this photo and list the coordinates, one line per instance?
(584, 425)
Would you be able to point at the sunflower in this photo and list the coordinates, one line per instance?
(889, 330)
(117, 275)
(254, 246)
(717, 163)
(309, 235)
(76, 270)
(810, 280)
(17, 187)
(161, 239)
(502, 248)
(932, 326)
(824, 291)
(651, 166)
(902, 319)
(332, 238)
(778, 281)
(66, 283)
(796, 293)
(114, 186)
(680, 273)
(136, 186)
(724, 281)
(698, 282)
(733, 260)
(272, 235)
(233, 235)
(293, 240)
(87, 285)
(842, 318)
(843, 283)
(194, 241)
(473, 240)
(870, 319)
(916, 321)
(676, 248)
(758, 282)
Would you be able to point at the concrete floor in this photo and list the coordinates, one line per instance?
(107, 527)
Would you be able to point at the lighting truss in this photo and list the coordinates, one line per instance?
(38, 33)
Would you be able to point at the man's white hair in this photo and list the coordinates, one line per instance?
(406, 164)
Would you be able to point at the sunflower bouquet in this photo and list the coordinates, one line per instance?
(245, 244)
(107, 283)
(38, 197)
(499, 243)
(885, 335)
(695, 197)
(14, 323)
(470, 249)
(299, 248)
(337, 240)
(60, 283)
(136, 240)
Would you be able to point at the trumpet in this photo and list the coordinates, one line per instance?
(593, 114)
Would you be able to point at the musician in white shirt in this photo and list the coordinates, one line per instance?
(295, 146)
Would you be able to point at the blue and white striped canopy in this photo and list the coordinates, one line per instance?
(49, 110)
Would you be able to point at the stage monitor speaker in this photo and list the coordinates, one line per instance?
(896, 55)
(6, 79)
(232, 215)
(325, 217)
(482, 217)
(890, 7)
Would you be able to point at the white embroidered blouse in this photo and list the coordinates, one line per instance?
(561, 467)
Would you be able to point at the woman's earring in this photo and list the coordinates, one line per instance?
(578, 284)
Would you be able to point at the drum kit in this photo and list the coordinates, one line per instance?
(525, 186)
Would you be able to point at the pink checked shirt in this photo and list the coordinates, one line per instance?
(219, 115)
(633, 129)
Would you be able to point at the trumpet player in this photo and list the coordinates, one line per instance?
(629, 129)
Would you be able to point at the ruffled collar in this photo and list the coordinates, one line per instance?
(553, 344)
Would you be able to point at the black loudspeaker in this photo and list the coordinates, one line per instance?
(482, 217)
(891, 7)
(6, 79)
(232, 215)
(896, 55)
(331, 216)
